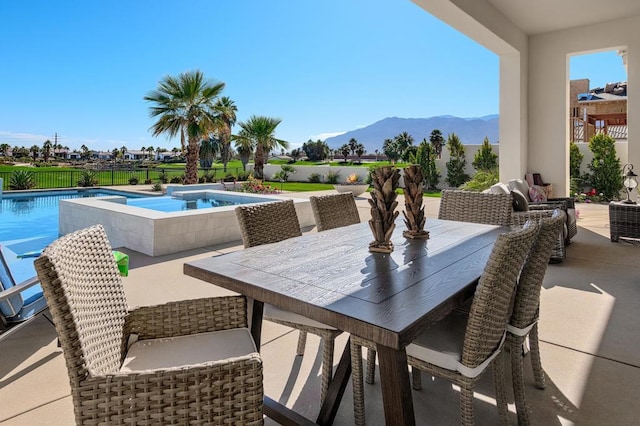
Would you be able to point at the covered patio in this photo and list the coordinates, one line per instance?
(535, 41)
(590, 341)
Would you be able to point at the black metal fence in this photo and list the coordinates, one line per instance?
(45, 179)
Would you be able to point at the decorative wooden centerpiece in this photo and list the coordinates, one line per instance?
(413, 208)
(383, 208)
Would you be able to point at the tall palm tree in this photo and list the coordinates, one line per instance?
(150, 152)
(186, 105)
(226, 110)
(34, 150)
(46, 150)
(209, 148)
(123, 151)
(244, 147)
(4, 148)
(261, 131)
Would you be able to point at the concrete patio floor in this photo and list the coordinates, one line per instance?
(589, 330)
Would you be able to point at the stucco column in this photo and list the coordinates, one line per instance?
(633, 108)
(513, 116)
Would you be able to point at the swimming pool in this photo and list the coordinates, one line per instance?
(29, 222)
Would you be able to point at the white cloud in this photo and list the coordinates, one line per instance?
(323, 136)
(13, 138)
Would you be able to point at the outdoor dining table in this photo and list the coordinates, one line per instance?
(389, 299)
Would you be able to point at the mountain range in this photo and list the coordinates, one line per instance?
(469, 130)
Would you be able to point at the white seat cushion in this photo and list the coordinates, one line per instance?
(272, 312)
(441, 344)
(182, 351)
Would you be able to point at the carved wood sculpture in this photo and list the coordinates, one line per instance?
(383, 208)
(414, 210)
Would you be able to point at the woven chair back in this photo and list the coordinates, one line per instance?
(492, 300)
(334, 210)
(83, 289)
(476, 207)
(527, 300)
(268, 223)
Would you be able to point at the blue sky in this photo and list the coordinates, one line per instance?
(82, 68)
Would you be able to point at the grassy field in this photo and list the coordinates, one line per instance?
(65, 177)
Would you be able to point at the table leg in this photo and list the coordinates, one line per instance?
(256, 321)
(337, 387)
(396, 389)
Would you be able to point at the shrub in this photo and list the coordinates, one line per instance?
(485, 159)
(163, 177)
(157, 187)
(482, 180)
(22, 179)
(133, 180)
(229, 178)
(243, 175)
(575, 160)
(177, 179)
(315, 178)
(255, 186)
(332, 177)
(88, 178)
(606, 173)
(457, 162)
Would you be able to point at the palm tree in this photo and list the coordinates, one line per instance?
(144, 150)
(186, 104)
(209, 148)
(244, 147)
(84, 152)
(34, 150)
(226, 110)
(4, 148)
(46, 150)
(261, 131)
(150, 151)
(353, 145)
(403, 141)
(123, 151)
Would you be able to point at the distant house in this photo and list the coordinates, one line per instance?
(599, 110)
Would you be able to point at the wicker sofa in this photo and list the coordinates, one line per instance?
(520, 186)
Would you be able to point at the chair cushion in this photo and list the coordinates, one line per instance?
(499, 188)
(272, 312)
(537, 194)
(520, 203)
(441, 344)
(521, 186)
(182, 351)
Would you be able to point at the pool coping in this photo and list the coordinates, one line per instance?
(157, 233)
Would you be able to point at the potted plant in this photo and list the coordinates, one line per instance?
(353, 184)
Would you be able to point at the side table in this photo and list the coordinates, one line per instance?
(624, 220)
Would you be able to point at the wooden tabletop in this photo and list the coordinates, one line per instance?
(331, 277)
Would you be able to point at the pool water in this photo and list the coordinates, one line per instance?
(29, 222)
(168, 204)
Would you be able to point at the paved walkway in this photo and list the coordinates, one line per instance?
(589, 330)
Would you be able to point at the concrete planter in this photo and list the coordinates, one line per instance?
(357, 189)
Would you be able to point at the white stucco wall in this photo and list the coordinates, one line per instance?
(534, 83)
(549, 56)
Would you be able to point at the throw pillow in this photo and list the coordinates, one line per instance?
(537, 194)
(520, 203)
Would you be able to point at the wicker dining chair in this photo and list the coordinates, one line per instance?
(476, 207)
(524, 318)
(334, 210)
(186, 362)
(462, 346)
(270, 223)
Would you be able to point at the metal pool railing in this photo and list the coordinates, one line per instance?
(45, 179)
